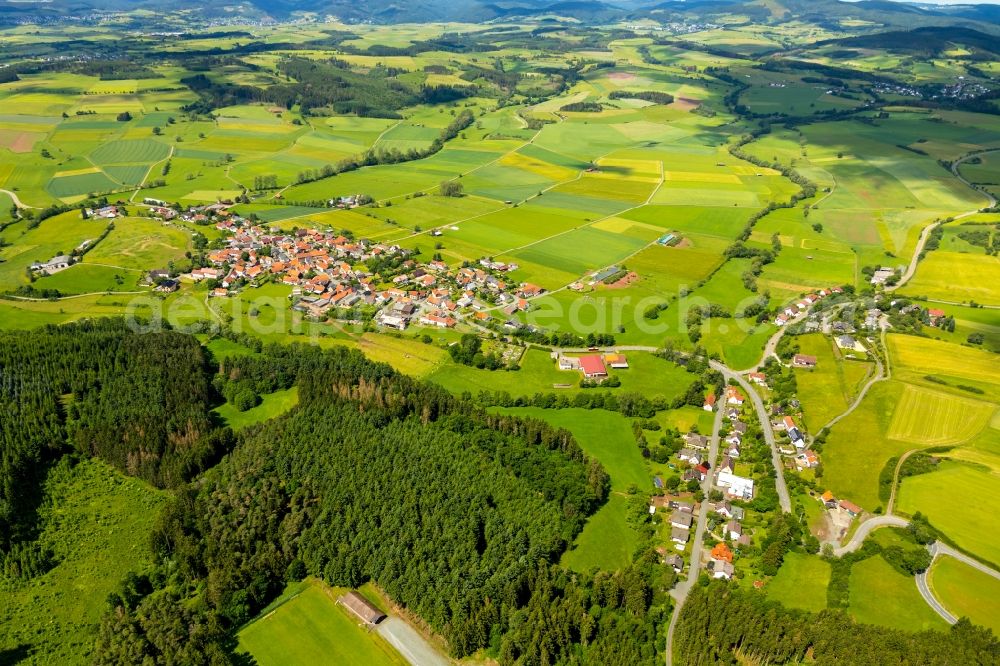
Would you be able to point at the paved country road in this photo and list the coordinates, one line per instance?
(866, 528)
(765, 425)
(683, 588)
(937, 549)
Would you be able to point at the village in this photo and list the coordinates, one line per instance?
(334, 275)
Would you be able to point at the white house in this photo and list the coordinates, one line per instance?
(736, 486)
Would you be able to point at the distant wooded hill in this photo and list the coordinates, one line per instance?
(882, 13)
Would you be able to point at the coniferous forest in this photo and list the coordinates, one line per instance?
(140, 403)
(460, 515)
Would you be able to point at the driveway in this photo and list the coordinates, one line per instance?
(414, 647)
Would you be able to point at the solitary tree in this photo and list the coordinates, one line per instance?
(451, 188)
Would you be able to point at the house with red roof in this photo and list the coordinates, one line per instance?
(593, 367)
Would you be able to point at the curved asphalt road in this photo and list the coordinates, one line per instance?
(866, 528)
(937, 549)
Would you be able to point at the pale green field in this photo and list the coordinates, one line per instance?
(96, 525)
(606, 542)
(966, 592)
(944, 497)
(271, 405)
(828, 389)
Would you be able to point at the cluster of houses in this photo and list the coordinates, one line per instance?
(327, 270)
(682, 521)
(831, 502)
(104, 212)
(793, 310)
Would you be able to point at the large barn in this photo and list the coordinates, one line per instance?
(361, 607)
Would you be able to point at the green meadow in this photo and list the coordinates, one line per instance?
(828, 389)
(271, 405)
(801, 582)
(95, 520)
(966, 592)
(307, 626)
(881, 595)
(606, 542)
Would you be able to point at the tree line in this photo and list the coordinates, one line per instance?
(722, 624)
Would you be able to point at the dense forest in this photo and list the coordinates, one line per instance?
(720, 624)
(458, 514)
(329, 86)
(140, 402)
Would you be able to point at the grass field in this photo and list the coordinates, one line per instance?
(605, 435)
(647, 374)
(95, 520)
(880, 595)
(928, 417)
(955, 276)
(952, 498)
(914, 357)
(826, 390)
(801, 582)
(966, 592)
(271, 405)
(606, 542)
(306, 626)
(857, 446)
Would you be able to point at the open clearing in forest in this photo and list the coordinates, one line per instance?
(307, 626)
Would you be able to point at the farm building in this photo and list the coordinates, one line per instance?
(361, 607)
(669, 240)
(881, 275)
(617, 361)
(54, 264)
(851, 508)
(606, 273)
(593, 367)
(804, 361)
